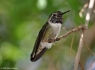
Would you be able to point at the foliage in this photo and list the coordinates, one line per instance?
(20, 22)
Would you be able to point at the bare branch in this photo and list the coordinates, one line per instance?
(71, 31)
(71, 44)
(83, 9)
(77, 58)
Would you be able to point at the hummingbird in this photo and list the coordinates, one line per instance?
(49, 31)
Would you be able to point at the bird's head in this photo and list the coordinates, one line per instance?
(56, 17)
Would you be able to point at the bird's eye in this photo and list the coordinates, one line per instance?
(54, 14)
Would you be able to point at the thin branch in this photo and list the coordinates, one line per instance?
(88, 47)
(77, 58)
(71, 31)
(83, 9)
(81, 66)
(71, 44)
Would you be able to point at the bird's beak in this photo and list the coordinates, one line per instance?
(65, 12)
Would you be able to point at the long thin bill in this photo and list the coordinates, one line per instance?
(65, 12)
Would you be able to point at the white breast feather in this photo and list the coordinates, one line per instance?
(56, 27)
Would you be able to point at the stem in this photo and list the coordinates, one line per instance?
(63, 36)
(77, 58)
(71, 31)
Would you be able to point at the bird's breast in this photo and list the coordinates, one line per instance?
(56, 28)
(51, 33)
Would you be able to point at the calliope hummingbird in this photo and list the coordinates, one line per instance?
(49, 31)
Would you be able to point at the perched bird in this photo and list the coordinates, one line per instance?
(48, 32)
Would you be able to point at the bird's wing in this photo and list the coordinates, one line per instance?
(35, 57)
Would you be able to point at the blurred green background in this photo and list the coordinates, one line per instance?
(20, 22)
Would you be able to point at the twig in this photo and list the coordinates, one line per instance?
(71, 44)
(83, 9)
(81, 66)
(71, 31)
(88, 47)
(77, 58)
